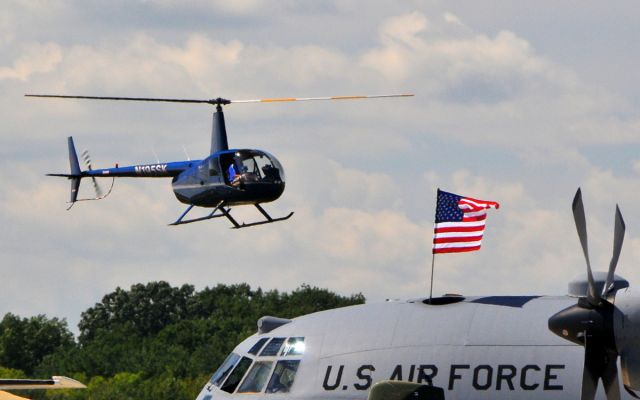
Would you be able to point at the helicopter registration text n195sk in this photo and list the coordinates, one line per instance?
(224, 179)
(451, 347)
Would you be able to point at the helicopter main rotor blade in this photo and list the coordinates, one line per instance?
(289, 99)
(58, 96)
(219, 100)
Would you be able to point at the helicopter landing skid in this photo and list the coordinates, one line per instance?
(220, 206)
(266, 215)
(224, 212)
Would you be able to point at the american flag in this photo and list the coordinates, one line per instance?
(459, 223)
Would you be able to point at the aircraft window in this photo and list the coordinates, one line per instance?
(256, 347)
(256, 378)
(247, 167)
(273, 347)
(225, 368)
(283, 376)
(293, 347)
(214, 168)
(270, 170)
(236, 376)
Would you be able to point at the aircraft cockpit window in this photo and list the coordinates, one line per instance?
(270, 168)
(283, 376)
(226, 367)
(250, 166)
(273, 347)
(293, 347)
(236, 376)
(256, 347)
(256, 378)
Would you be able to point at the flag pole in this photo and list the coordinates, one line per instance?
(433, 250)
(433, 260)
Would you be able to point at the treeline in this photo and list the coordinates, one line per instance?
(152, 341)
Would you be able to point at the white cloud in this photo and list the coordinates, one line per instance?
(35, 58)
(200, 56)
(452, 19)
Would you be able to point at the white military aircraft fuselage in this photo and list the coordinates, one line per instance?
(473, 348)
(478, 348)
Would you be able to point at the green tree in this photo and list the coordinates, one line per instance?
(145, 308)
(156, 330)
(10, 373)
(24, 342)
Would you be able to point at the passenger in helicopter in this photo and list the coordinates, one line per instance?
(234, 177)
(271, 173)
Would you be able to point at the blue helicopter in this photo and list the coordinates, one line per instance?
(225, 179)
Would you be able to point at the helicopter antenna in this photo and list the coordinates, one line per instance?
(185, 153)
(153, 149)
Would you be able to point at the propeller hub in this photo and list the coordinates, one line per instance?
(219, 101)
(585, 322)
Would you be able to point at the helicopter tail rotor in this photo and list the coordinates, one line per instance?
(77, 174)
(87, 161)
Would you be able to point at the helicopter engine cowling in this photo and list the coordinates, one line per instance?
(627, 335)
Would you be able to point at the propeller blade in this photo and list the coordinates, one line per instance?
(599, 363)
(581, 227)
(630, 354)
(589, 377)
(610, 377)
(618, 238)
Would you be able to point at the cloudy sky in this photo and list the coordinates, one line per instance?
(519, 103)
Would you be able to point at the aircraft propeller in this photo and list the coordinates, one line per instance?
(595, 323)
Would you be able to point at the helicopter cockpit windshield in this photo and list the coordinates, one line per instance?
(251, 166)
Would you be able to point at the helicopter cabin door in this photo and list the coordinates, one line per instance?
(213, 172)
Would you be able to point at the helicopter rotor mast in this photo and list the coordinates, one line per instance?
(219, 140)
